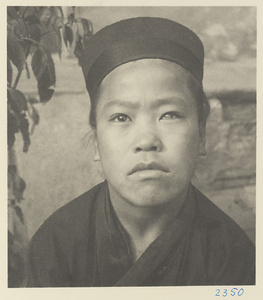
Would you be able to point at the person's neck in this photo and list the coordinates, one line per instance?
(144, 223)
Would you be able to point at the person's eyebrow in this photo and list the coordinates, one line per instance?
(121, 103)
(156, 103)
(178, 101)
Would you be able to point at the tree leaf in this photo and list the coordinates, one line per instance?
(17, 183)
(33, 28)
(31, 19)
(9, 72)
(15, 51)
(67, 36)
(45, 94)
(43, 66)
(39, 62)
(49, 77)
(34, 32)
(17, 105)
(24, 125)
(12, 26)
(21, 30)
(12, 128)
(44, 71)
(16, 22)
(16, 100)
(12, 12)
(27, 11)
(50, 70)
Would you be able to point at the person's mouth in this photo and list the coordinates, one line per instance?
(145, 167)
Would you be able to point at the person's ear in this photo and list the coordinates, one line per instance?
(202, 141)
(96, 156)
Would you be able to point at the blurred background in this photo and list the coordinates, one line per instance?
(59, 166)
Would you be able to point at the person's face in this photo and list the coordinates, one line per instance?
(147, 133)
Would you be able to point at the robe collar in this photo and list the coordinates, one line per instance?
(114, 266)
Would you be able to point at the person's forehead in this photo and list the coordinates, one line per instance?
(146, 82)
(156, 69)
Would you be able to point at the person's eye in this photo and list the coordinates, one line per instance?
(170, 115)
(121, 118)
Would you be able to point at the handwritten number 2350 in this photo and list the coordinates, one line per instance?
(233, 292)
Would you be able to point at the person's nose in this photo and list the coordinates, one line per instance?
(148, 139)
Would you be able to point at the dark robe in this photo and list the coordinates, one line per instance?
(83, 244)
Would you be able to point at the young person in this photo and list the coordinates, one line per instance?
(146, 225)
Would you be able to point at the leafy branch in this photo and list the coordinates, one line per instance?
(26, 29)
(25, 26)
(29, 30)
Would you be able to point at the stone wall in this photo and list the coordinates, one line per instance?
(228, 174)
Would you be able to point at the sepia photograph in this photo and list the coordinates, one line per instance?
(131, 142)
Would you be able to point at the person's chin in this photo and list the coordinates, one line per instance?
(149, 195)
(149, 201)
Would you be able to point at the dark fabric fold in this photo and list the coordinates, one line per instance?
(112, 249)
(113, 259)
(157, 257)
(83, 244)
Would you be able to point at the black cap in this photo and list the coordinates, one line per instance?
(141, 38)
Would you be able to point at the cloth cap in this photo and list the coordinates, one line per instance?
(140, 38)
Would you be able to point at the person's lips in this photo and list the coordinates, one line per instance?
(150, 166)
